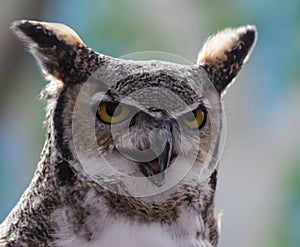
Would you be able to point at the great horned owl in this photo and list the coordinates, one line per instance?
(132, 147)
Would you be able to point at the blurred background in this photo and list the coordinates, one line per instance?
(259, 185)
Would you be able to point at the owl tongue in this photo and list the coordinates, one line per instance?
(154, 165)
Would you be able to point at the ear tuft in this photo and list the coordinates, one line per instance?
(58, 49)
(224, 54)
(41, 32)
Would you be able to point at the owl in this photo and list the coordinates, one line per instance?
(132, 147)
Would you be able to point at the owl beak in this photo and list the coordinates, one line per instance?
(155, 170)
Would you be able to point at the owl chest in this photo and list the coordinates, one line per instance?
(103, 229)
(130, 234)
(123, 233)
(126, 233)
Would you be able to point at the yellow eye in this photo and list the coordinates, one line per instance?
(112, 112)
(195, 119)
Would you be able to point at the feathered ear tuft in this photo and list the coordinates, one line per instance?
(224, 54)
(58, 49)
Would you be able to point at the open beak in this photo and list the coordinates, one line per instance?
(155, 170)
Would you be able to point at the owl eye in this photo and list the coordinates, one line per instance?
(112, 113)
(195, 119)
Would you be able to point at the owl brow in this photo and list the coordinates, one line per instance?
(193, 107)
(206, 105)
(107, 96)
(97, 100)
(98, 97)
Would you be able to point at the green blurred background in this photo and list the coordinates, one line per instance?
(259, 187)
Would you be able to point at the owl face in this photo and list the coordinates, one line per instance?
(149, 124)
(147, 121)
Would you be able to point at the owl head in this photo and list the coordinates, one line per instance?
(143, 124)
